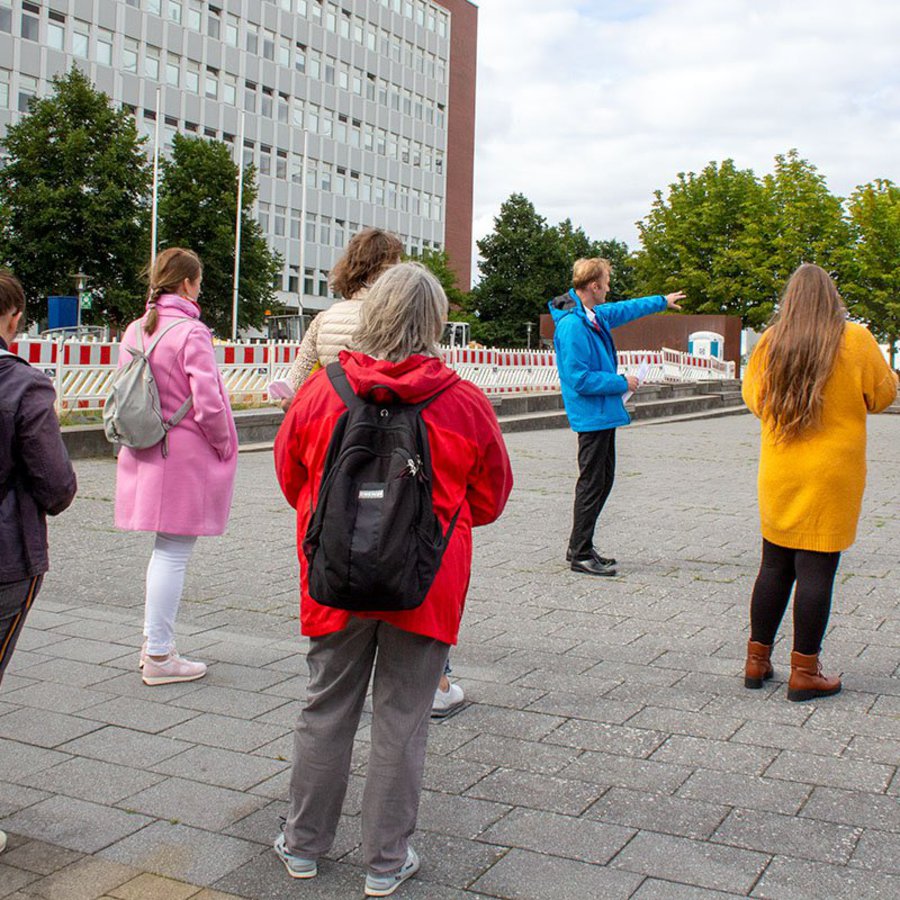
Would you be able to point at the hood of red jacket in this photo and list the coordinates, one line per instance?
(413, 380)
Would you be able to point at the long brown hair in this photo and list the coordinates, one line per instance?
(368, 254)
(172, 266)
(800, 351)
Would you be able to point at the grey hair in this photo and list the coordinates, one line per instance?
(403, 313)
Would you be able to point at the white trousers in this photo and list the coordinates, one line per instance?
(165, 584)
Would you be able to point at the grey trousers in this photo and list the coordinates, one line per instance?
(16, 598)
(407, 668)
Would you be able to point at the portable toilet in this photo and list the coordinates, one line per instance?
(706, 343)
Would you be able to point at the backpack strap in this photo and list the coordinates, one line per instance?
(338, 378)
(162, 334)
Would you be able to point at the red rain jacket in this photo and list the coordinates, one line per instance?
(469, 460)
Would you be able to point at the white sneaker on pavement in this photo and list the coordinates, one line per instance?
(446, 702)
(385, 885)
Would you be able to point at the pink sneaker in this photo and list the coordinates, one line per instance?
(143, 656)
(171, 669)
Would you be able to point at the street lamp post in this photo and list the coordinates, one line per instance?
(81, 281)
(528, 326)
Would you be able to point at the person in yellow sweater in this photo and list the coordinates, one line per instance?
(812, 380)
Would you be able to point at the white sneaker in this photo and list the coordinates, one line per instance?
(172, 669)
(385, 885)
(2, 841)
(446, 702)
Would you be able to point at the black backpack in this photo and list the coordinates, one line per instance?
(374, 542)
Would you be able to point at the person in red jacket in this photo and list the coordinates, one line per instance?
(398, 348)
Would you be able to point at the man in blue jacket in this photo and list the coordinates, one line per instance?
(592, 391)
(36, 477)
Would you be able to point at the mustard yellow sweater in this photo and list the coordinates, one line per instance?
(811, 488)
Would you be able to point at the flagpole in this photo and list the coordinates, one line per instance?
(155, 202)
(303, 219)
(237, 234)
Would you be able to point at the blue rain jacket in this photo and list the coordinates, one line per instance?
(586, 358)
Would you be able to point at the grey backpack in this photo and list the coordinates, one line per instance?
(132, 415)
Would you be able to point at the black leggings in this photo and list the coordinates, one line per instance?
(780, 568)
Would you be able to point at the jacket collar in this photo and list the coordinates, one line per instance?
(178, 304)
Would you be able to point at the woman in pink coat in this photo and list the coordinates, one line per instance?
(187, 492)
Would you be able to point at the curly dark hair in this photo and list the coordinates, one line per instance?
(368, 254)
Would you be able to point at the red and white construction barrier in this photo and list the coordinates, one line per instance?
(82, 371)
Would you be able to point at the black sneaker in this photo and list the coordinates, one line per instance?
(603, 560)
(591, 566)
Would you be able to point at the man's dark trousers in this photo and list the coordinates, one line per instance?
(16, 598)
(596, 472)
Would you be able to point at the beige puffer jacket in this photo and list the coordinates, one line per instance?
(328, 334)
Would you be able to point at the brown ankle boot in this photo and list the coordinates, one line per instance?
(758, 668)
(807, 681)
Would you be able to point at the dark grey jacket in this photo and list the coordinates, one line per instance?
(36, 477)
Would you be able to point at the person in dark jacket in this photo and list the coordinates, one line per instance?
(593, 393)
(36, 477)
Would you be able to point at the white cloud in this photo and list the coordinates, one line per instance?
(588, 106)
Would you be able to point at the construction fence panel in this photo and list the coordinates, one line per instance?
(83, 371)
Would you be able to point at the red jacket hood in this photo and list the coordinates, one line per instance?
(413, 380)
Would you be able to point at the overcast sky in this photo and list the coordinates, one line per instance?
(588, 106)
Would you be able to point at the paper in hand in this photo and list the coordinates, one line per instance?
(280, 390)
(641, 375)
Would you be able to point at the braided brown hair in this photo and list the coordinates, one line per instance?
(166, 276)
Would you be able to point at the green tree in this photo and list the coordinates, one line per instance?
(874, 291)
(696, 240)
(574, 244)
(623, 284)
(197, 209)
(74, 198)
(520, 271)
(802, 221)
(438, 263)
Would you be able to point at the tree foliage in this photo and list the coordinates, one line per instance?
(802, 222)
(731, 240)
(874, 289)
(524, 263)
(518, 268)
(696, 240)
(74, 199)
(197, 209)
(438, 263)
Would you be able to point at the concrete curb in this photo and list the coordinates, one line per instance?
(521, 412)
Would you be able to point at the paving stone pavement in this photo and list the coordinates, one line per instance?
(609, 749)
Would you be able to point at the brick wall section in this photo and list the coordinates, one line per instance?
(672, 331)
(461, 137)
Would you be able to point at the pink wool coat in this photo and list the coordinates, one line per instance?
(190, 490)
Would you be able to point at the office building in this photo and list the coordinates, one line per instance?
(355, 112)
